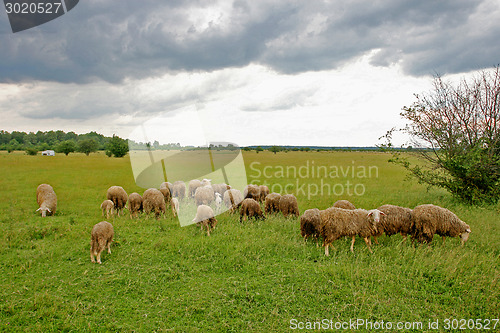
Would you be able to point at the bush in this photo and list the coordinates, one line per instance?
(31, 151)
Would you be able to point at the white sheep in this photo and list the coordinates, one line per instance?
(175, 206)
(218, 201)
(46, 199)
(205, 217)
(101, 237)
(204, 195)
(233, 199)
(193, 185)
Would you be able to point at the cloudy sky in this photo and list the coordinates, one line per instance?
(331, 73)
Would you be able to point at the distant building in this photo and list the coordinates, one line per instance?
(48, 153)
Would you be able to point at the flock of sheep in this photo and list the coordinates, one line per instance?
(340, 220)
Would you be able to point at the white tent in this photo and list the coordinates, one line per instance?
(48, 153)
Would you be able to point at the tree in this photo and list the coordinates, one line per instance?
(455, 131)
(66, 147)
(88, 146)
(274, 149)
(31, 151)
(259, 148)
(117, 146)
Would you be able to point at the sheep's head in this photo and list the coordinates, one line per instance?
(44, 210)
(465, 235)
(375, 214)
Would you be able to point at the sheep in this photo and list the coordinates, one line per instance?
(175, 206)
(205, 218)
(264, 191)
(167, 193)
(344, 204)
(135, 204)
(310, 224)
(179, 189)
(220, 188)
(168, 185)
(206, 182)
(101, 237)
(119, 197)
(339, 222)
(46, 199)
(233, 199)
(396, 220)
(153, 200)
(193, 185)
(272, 203)
(430, 219)
(218, 201)
(107, 207)
(251, 191)
(288, 205)
(204, 195)
(251, 208)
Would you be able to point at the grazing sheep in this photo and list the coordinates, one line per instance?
(135, 204)
(310, 224)
(179, 189)
(175, 206)
(272, 203)
(119, 197)
(205, 218)
(264, 191)
(346, 204)
(288, 205)
(204, 195)
(167, 193)
(339, 222)
(218, 201)
(193, 185)
(46, 199)
(233, 199)
(431, 219)
(396, 220)
(206, 182)
(101, 237)
(168, 185)
(251, 208)
(251, 191)
(220, 188)
(153, 200)
(107, 207)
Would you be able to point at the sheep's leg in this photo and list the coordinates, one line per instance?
(352, 243)
(99, 258)
(327, 253)
(368, 244)
(92, 259)
(109, 248)
(208, 229)
(444, 238)
(375, 239)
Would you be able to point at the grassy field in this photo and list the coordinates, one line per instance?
(251, 277)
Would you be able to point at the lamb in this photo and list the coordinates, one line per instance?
(179, 189)
(135, 204)
(264, 191)
(272, 203)
(119, 197)
(396, 220)
(430, 219)
(175, 206)
(193, 185)
(153, 200)
(205, 218)
(107, 207)
(218, 201)
(251, 191)
(339, 222)
(233, 199)
(101, 237)
(167, 193)
(344, 204)
(251, 208)
(204, 195)
(288, 205)
(220, 188)
(46, 199)
(310, 224)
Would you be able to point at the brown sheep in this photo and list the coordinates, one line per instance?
(179, 190)
(46, 199)
(251, 208)
(135, 204)
(272, 203)
(346, 204)
(193, 185)
(205, 217)
(107, 208)
(397, 220)
(167, 194)
(232, 199)
(204, 195)
(289, 206)
(264, 191)
(251, 191)
(339, 222)
(153, 200)
(431, 219)
(101, 238)
(310, 224)
(119, 197)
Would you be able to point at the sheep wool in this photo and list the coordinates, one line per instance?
(135, 203)
(204, 195)
(310, 224)
(167, 193)
(346, 204)
(179, 190)
(250, 208)
(205, 217)
(153, 201)
(175, 206)
(264, 191)
(396, 220)
(232, 199)
(251, 191)
(101, 238)
(193, 185)
(288, 205)
(107, 208)
(272, 203)
(46, 199)
(119, 197)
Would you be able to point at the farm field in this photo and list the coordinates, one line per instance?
(249, 277)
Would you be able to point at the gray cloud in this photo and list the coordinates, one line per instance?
(112, 41)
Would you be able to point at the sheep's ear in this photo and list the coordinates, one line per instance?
(468, 230)
(370, 213)
(49, 210)
(382, 213)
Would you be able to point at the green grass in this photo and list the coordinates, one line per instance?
(251, 277)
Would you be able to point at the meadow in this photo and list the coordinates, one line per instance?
(249, 277)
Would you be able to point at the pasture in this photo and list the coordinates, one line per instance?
(250, 277)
